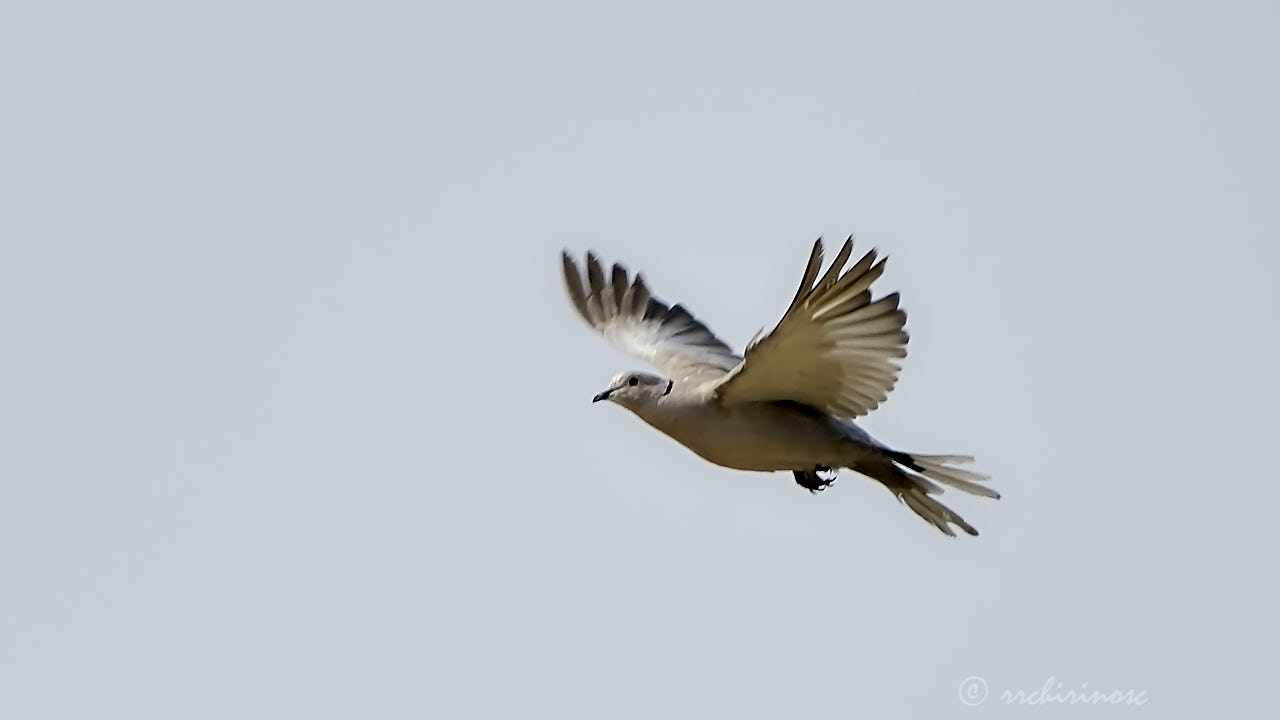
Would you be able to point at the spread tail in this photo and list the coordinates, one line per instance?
(914, 488)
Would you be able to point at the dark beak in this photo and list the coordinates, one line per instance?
(602, 396)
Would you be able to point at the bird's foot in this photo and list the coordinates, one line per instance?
(813, 482)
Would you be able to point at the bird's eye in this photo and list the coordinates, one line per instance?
(633, 381)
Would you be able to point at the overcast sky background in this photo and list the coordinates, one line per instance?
(296, 415)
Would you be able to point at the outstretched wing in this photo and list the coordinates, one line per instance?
(834, 349)
(635, 322)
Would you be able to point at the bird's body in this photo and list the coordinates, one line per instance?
(756, 436)
(788, 403)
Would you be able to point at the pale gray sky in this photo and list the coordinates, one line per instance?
(297, 418)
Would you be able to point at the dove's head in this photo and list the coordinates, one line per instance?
(635, 389)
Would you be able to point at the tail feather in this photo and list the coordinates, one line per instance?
(946, 459)
(939, 515)
(939, 468)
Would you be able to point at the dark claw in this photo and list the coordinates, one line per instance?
(813, 482)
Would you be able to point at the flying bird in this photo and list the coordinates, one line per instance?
(788, 403)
